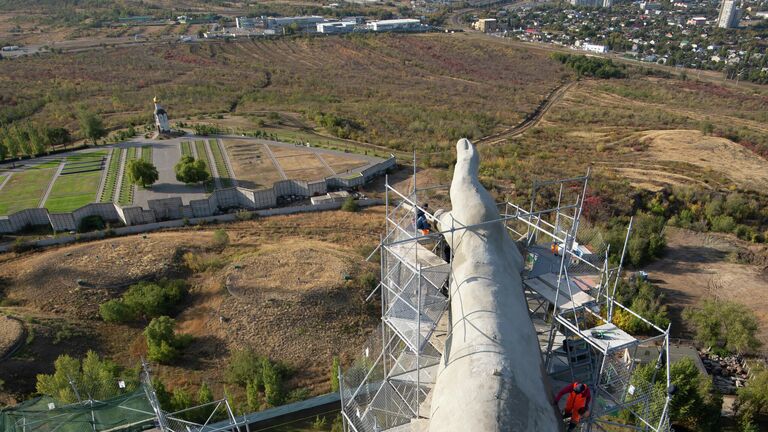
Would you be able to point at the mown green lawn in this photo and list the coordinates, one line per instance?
(73, 191)
(25, 189)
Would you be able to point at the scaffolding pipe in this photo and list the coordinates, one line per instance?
(618, 273)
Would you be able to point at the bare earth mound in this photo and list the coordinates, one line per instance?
(271, 272)
(11, 331)
(75, 279)
(712, 153)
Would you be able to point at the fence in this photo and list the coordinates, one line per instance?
(173, 208)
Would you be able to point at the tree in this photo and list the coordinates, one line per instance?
(141, 172)
(726, 322)
(335, 375)
(694, 404)
(90, 376)
(189, 170)
(273, 391)
(753, 398)
(58, 136)
(204, 395)
(162, 342)
(252, 396)
(91, 125)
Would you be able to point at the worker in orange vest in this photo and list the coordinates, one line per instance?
(577, 404)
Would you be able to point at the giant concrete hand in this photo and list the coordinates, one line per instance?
(491, 376)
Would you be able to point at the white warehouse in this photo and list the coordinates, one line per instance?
(336, 27)
(395, 24)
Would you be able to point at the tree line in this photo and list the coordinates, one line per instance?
(28, 139)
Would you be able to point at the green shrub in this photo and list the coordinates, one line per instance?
(198, 263)
(220, 238)
(726, 322)
(273, 386)
(723, 223)
(350, 205)
(335, 375)
(91, 223)
(116, 311)
(163, 344)
(244, 367)
(145, 300)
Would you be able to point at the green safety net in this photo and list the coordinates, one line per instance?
(127, 412)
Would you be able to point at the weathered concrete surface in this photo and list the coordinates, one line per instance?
(491, 374)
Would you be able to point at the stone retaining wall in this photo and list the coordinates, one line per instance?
(173, 208)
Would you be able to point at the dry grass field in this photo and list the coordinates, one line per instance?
(280, 288)
(429, 89)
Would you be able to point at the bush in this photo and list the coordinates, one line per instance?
(198, 263)
(145, 300)
(724, 322)
(335, 375)
(645, 299)
(694, 406)
(163, 344)
(244, 367)
(220, 238)
(91, 223)
(350, 205)
(723, 223)
(590, 66)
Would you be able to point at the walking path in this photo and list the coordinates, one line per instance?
(120, 172)
(325, 164)
(214, 168)
(275, 162)
(50, 185)
(165, 155)
(225, 153)
(7, 178)
(104, 172)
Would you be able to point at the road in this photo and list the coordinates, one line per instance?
(531, 120)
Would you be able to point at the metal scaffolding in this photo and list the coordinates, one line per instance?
(570, 290)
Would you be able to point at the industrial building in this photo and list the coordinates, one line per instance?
(336, 27)
(730, 14)
(396, 25)
(245, 22)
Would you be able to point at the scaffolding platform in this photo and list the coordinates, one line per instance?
(609, 338)
(546, 287)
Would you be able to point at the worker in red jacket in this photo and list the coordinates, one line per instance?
(577, 404)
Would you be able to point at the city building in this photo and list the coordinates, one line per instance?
(245, 22)
(395, 25)
(600, 49)
(697, 21)
(486, 25)
(336, 27)
(729, 14)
